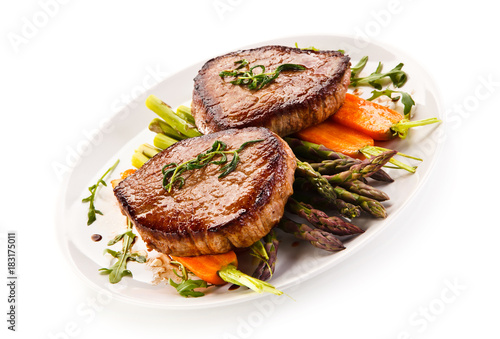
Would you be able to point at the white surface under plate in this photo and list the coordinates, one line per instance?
(128, 129)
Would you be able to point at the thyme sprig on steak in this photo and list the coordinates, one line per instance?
(259, 80)
(217, 155)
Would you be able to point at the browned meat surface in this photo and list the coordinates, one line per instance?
(293, 101)
(209, 215)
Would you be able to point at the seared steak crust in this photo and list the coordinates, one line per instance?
(293, 101)
(209, 215)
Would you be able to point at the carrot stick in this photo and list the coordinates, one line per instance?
(206, 267)
(218, 269)
(128, 172)
(374, 120)
(123, 175)
(337, 137)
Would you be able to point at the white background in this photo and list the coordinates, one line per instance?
(431, 274)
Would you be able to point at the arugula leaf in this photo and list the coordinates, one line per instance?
(91, 215)
(377, 78)
(358, 67)
(396, 76)
(120, 237)
(406, 99)
(186, 287)
(119, 269)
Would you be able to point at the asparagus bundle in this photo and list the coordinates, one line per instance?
(362, 169)
(319, 153)
(170, 127)
(323, 187)
(331, 167)
(309, 195)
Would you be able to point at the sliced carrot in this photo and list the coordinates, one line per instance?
(376, 121)
(337, 137)
(206, 267)
(115, 182)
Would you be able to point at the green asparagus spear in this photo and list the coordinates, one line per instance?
(321, 220)
(371, 206)
(148, 150)
(333, 166)
(315, 152)
(265, 269)
(167, 114)
(139, 159)
(347, 209)
(361, 188)
(142, 154)
(158, 125)
(185, 113)
(162, 141)
(316, 237)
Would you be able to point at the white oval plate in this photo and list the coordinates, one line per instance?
(128, 129)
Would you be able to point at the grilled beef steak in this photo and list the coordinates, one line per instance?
(293, 101)
(210, 215)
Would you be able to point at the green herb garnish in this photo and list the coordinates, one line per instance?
(93, 189)
(358, 67)
(377, 78)
(406, 99)
(310, 48)
(186, 286)
(259, 80)
(172, 172)
(119, 268)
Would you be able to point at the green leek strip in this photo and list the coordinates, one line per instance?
(369, 151)
(232, 275)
